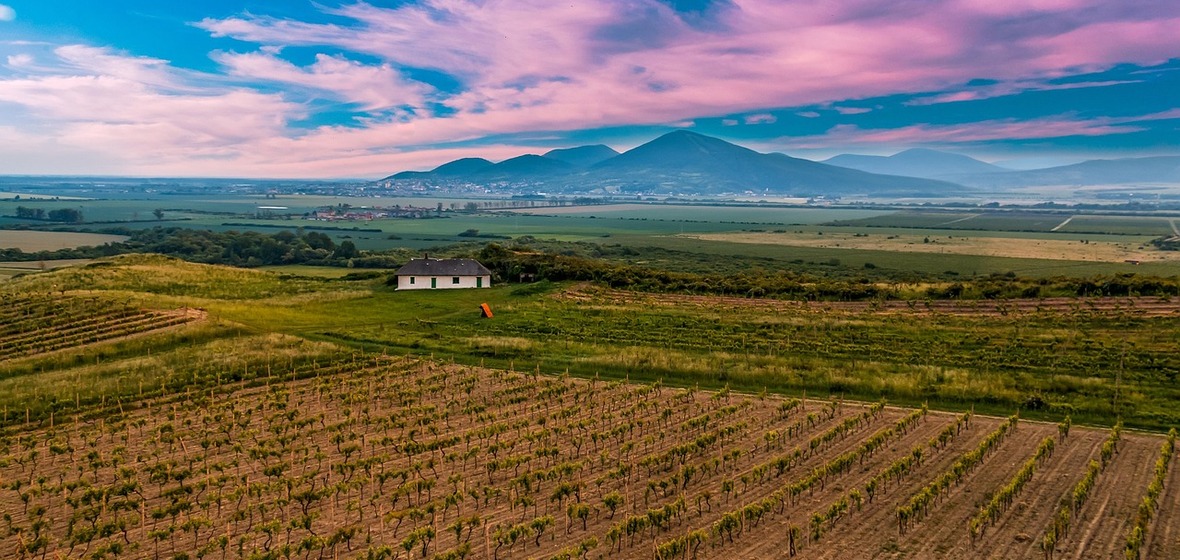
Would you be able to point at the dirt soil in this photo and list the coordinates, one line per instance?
(233, 463)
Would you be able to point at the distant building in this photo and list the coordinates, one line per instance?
(443, 274)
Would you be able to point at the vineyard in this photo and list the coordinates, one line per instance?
(382, 457)
(132, 430)
(40, 323)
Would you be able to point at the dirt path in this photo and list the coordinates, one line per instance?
(1062, 224)
(1018, 533)
(943, 533)
(1100, 527)
(958, 220)
(1163, 538)
(873, 533)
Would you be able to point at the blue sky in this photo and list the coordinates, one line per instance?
(353, 89)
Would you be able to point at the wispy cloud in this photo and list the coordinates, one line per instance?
(1002, 89)
(932, 134)
(852, 110)
(7, 13)
(20, 60)
(760, 118)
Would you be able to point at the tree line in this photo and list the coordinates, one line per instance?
(234, 248)
(511, 264)
(67, 215)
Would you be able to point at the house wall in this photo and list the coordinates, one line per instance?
(444, 282)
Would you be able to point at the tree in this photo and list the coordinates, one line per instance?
(346, 250)
(68, 215)
(158, 213)
(30, 213)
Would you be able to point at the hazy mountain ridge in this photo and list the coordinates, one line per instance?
(971, 172)
(1155, 169)
(916, 162)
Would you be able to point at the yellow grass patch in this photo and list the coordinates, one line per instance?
(1051, 249)
(32, 241)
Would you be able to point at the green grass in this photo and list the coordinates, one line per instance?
(309, 271)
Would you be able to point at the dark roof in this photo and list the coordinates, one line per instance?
(443, 267)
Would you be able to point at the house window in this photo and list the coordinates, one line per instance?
(454, 279)
(411, 280)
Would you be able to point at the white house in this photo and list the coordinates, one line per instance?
(443, 274)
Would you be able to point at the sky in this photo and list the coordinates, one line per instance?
(344, 89)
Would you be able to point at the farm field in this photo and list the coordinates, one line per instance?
(33, 241)
(371, 456)
(770, 214)
(265, 415)
(1146, 224)
(979, 244)
(965, 242)
(404, 459)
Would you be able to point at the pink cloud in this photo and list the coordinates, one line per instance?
(375, 87)
(538, 65)
(18, 60)
(136, 112)
(760, 118)
(852, 110)
(927, 134)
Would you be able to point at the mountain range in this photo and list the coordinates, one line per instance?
(687, 163)
(679, 162)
